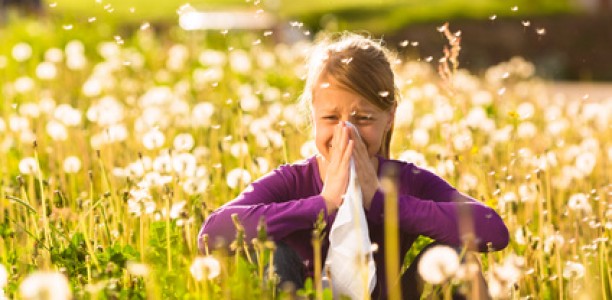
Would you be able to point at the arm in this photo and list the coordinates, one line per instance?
(435, 209)
(269, 197)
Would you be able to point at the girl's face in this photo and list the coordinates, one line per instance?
(332, 103)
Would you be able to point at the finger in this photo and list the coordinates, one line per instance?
(346, 157)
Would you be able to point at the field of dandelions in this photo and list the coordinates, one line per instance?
(115, 147)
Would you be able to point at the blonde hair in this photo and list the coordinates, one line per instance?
(358, 63)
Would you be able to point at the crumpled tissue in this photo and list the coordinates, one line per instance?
(349, 259)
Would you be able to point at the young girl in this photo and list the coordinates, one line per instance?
(350, 79)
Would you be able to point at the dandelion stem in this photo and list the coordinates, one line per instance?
(392, 263)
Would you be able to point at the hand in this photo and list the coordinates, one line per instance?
(365, 167)
(337, 168)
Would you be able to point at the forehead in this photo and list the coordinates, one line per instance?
(330, 95)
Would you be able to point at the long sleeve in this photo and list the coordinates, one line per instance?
(429, 206)
(276, 198)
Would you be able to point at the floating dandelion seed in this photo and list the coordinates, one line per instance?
(205, 267)
(526, 23)
(72, 164)
(145, 26)
(267, 33)
(346, 60)
(45, 285)
(324, 85)
(132, 10)
(442, 28)
(414, 44)
(67, 26)
(541, 31)
(492, 17)
(438, 264)
(514, 8)
(383, 94)
(28, 166)
(53, 4)
(404, 43)
(91, 20)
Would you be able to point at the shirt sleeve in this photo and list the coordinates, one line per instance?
(435, 209)
(270, 197)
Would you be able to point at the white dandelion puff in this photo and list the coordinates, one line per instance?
(183, 142)
(57, 131)
(28, 166)
(237, 176)
(205, 267)
(438, 264)
(585, 162)
(45, 285)
(579, 202)
(72, 164)
(23, 84)
(22, 52)
(4, 275)
(137, 269)
(239, 149)
(573, 270)
(153, 139)
(176, 209)
(46, 71)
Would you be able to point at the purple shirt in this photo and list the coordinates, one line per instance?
(289, 199)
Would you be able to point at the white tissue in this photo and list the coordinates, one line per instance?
(349, 258)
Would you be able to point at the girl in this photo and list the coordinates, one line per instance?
(350, 79)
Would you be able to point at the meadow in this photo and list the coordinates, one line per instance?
(114, 147)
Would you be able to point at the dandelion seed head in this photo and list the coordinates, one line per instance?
(205, 267)
(153, 139)
(438, 264)
(586, 162)
(23, 84)
(137, 269)
(72, 164)
(579, 202)
(183, 142)
(238, 176)
(45, 285)
(4, 275)
(68, 115)
(22, 52)
(28, 166)
(57, 131)
(573, 270)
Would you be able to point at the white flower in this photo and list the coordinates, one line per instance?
(525, 110)
(23, 84)
(67, 115)
(28, 166)
(45, 285)
(420, 137)
(240, 61)
(556, 240)
(239, 149)
(57, 131)
(237, 176)
(205, 267)
(573, 270)
(414, 157)
(31, 110)
(308, 149)
(46, 71)
(137, 269)
(153, 139)
(579, 202)
(3, 277)
(176, 209)
(183, 142)
(72, 164)
(22, 52)
(526, 130)
(54, 55)
(585, 162)
(212, 58)
(201, 114)
(438, 264)
(193, 186)
(404, 112)
(184, 164)
(249, 103)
